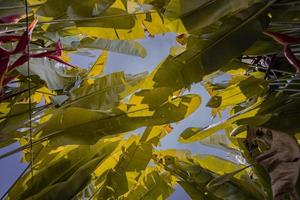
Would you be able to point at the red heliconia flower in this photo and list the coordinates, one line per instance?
(290, 56)
(58, 48)
(282, 38)
(9, 38)
(287, 40)
(12, 18)
(25, 38)
(20, 48)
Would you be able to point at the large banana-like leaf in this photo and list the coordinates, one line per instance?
(83, 126)
(11, 11)
(54, 167)
(128, 165)
(55, 8)
(49, 71)
(209, 42)
(249, 87)
(119, 46)
(276, 111)
(193, 134)
(284, 16)
(105, 92)
(238, 92)
(59, 167)
(90, 8)
(98, 67)
(194, 178)
(205, 54)
(151, 185)
(10, 121)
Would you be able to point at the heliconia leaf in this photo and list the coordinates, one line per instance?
(151, 185)
(105, 92)
(99, 124)
(250, 114)
(47, 70)
(8, 96)
(194, 172)
(58, 165)
(98, 67)
(180, 8)
(59, 99)
(88, 9)
(10, 124)
(118, 46)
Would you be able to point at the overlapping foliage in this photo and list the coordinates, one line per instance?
(78, 140)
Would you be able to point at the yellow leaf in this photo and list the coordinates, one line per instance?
(98, 68)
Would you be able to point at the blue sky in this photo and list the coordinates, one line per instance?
(157, 49)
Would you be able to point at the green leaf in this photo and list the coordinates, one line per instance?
(193, 176)
(214, 102)
(71, 186)
(12, 8)
(14, 117)
(48, 70)
(232, 30)
(118, 46)
(53, 8)
(105, 92)
(151, 185)
(56, 168)
(178, 8)
(90, 8)
(98, 67)
(83, 126)
(119, 20)
(224, 178)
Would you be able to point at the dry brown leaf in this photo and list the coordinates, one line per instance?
(281, 159)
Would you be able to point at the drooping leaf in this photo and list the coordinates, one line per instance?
(151, 185)
(47, 70)
(281, 159)
(118, 46)
(98, 67)
(105, 92)
(194, 177)
(75, 122)
(54, 169)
